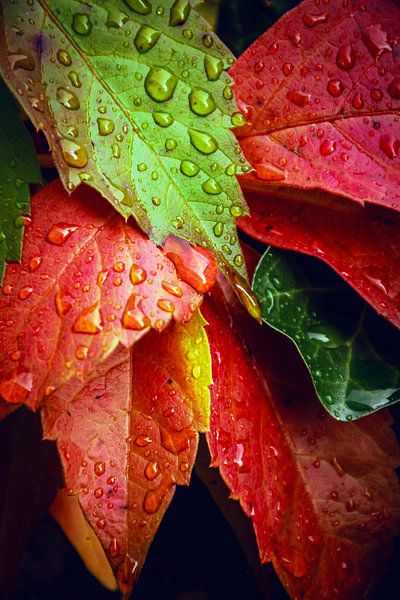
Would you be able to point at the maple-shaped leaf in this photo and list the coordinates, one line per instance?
(321, 92)
(323, 495)
(134, 100)
(130, 434)
(361, 243)
(348, 349)
(87, 281)
(18, 168)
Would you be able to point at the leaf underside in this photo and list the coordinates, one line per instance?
(18, 168)
(130, 434)
(321, 92)
(348, 349)
(134, 100)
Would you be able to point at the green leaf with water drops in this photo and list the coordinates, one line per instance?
(18, 168)
(134, 99)
(351, 353)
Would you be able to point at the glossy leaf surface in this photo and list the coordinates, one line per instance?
(323, 495)
(349, 351)
(321, 92)
(87, 282)
(130, 434)
(361, 243)
(18, 168)
(134, 100)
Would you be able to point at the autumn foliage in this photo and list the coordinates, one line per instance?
(127, 319)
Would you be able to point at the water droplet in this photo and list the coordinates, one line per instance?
(238, 119)
(179, 12)
(287, 69)
(146, 38)
(163, 119)
(298, 98)
(143, 7)
(89, 321)
(346, 57)
(133, 317)
(394, 88)
(113, 548)
(201, 102)
(81, 24)
(25, 292)
(203, 142)
(115, 18)
(292, 561)
(64, 58)
(196, 372)
(327, 147)
(227, 93)
(236, 211)
(174, 290)
(335, 87)
(166, 305)
(35, 263)
(62, 304)
(81, 352)
(376, 94)
(21, 60)
(170, 144)
(311, 20)
(357, 101)
(211, 187)
(137, 274)
(160, 84)
(375, 40)
(207, 40)
(389, 145)
(105, 126)
(143, 440)
(152, 471)
(116, 150)
(247, 297)
(99, 468)
(74, 154)
(189, 168)
(213, 67)
(156, 201)
(15, 387)
(68, 99)
(59, 233)
(328, 336)
(218, 229)
(74, 79)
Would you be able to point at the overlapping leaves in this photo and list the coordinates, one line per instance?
(134, 101)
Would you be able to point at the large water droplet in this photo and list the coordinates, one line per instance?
(389, 145)
(189, 168)
(143, 7)
(335, 87)
(146, 38)
(74, 79)
(211, 186)
(35, 263)
(152, 471)
(81, 23)
(105, 126)
(213, 67)
(203, 142)
(166, 305)
(137, 274)
(298, 98)
(327, 147)
(68, 99)
(15, 386)
(25, 292)
(133, 317)
(174, 290)
(89, 321)
(115, 18)
(201, 102)
(346, 57)
(21, 60)
(60, 232)
(160, 84)
(179, 12)
(247, 297)
(163, 119)
(375, 40)
(74, 154)
(62, 304)
(64, 58)
(312, 20)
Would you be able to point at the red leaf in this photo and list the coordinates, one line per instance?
(361, 243)
(321, 91)
(130, 434)
(87, 281)
(323, 496)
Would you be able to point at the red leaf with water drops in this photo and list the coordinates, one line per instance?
(130, 434)
(361, 243)
(321, 92)
(323, 495)
(87, 281)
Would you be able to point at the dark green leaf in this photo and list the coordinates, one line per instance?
(18, 168)
(349, 350)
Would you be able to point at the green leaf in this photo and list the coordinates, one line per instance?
(135, 101)
(348, 349)
(18, 168)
